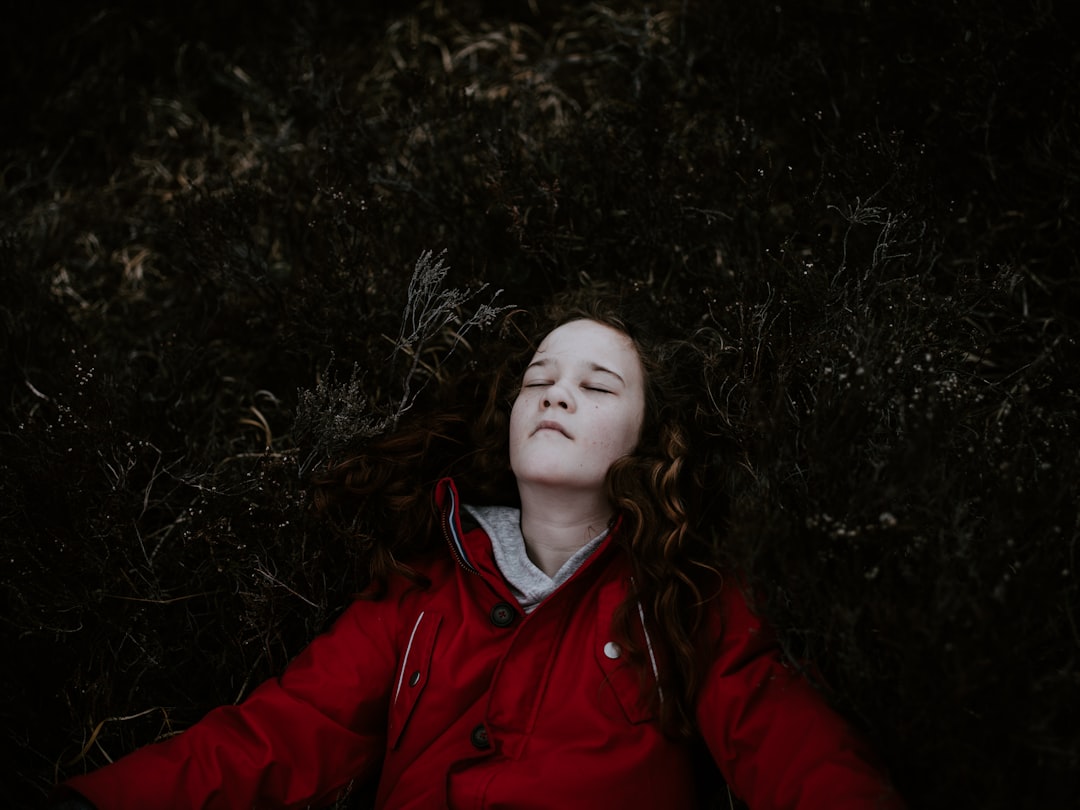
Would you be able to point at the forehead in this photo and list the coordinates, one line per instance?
(590, 341)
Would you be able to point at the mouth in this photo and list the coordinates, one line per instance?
(552, 426)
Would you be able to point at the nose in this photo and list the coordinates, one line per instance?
(557, 396)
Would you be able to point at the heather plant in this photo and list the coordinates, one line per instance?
(211, 221)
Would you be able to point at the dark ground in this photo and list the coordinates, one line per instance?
(204, 204)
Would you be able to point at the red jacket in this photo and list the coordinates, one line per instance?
(450, 696)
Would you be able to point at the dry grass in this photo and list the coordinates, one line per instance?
(872, 210)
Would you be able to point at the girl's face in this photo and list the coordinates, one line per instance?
(581, 406)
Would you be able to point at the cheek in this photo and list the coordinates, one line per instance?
(627, 435)
(517, 422)
(516, 411)
(616, 436)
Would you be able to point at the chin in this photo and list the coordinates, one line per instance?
(556, 480)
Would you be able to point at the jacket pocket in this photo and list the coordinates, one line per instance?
(621, 678)
(413, 674)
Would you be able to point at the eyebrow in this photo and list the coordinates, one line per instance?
(592, 367)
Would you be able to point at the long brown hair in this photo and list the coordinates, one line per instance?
(656, 491)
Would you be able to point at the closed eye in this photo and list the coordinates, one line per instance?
(597, 390)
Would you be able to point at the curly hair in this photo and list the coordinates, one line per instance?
(656, 491)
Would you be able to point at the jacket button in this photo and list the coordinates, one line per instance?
(480, 737)
(502, 615)
(414, 679)
(612, 650)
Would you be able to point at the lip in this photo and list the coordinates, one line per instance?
(546, 425)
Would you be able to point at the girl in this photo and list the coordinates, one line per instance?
(545, 626)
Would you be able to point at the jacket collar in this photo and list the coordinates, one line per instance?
(476, 559)
(448, 501)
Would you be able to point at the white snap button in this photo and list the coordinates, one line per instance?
(612, 650)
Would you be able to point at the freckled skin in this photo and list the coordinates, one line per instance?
(585, 378)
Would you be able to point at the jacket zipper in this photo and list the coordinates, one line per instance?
(453, 546)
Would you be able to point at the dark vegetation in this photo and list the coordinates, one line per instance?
(211, 212)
